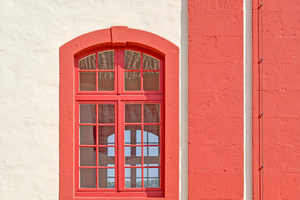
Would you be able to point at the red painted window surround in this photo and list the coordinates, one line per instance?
(118, 38)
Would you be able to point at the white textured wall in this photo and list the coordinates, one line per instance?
(31, 33)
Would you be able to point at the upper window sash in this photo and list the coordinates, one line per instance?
(119, 71)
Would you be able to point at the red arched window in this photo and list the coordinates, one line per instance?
(119, 118)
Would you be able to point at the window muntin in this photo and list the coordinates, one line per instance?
(100, 78)
(123, 138)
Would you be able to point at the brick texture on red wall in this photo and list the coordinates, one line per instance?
(281, 100)
(215, 99)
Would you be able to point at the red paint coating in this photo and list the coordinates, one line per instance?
(281, 106)
(215, 99)
(105, 38)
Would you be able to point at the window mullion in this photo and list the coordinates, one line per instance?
(120, 146)
(120, 73)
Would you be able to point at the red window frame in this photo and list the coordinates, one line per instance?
(119, 38)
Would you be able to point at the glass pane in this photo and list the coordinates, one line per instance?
(133, 156)
(87, 81)
(87, 135)
(132, 81)
(106, 178)
(88, 62)
(151, 135)
(87, 156)
(106, 156)
(106, 81)
(106, 135)
(106, 113)
(150, 63)
(87, 113)
(87, 178)
(133, 135)
(133, 177)
(151, 113)
(133, 113)
(151, 156)
(132, 60)
(106, 60)
(151, 177)
(151, 81)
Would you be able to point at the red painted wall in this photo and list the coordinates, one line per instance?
(215, 99)
(281, 100)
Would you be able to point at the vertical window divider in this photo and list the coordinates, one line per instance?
(142, 142)
(96, 143)
(142, 68)
(120, 167)
(120, 73)
(97, 72)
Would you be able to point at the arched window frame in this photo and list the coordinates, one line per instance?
(122, 37)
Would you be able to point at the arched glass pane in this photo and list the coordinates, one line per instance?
(132, 60)
(150, 63)
(88, 62)
(106, 60)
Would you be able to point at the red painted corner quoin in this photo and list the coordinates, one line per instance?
(215, 99)
(118, 36)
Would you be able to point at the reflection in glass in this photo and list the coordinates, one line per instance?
(87, 81)
(88, 62)
(106, 135)
(151, 81)
(133, 134)
(106, 113)
(87, 156)
(132, 113)
(87, 113)
(132, 81)
(87, 178)
(106, 81)
(133, 177)
(132, 60)
(106, 156)
(151, 177)
(151, 135)
(151, 113)
(106, 60)
(106, 178)
(133, 156)
(87, 135)
(150, 63)
(151, 156)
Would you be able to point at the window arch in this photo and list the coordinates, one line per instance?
(119, 116)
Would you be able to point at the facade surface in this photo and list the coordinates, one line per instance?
(216, 99)
(276, 139)
(212, 41)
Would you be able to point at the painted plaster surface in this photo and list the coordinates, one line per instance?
(216, 99)
(31, 34)
(279, 148)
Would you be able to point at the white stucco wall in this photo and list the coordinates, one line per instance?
(31, 34)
